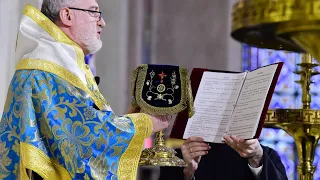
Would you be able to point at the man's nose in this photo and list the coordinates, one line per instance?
(101, 23)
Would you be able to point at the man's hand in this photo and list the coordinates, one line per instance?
(250, 149)
(192, 150)
(159, 123)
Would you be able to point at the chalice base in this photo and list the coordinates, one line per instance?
(160, 156)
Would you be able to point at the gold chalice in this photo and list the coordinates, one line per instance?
(161, 90)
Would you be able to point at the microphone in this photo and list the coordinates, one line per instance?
(97, 79)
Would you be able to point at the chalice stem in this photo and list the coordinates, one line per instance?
(159, 141)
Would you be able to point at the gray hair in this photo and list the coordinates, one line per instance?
(51, 8)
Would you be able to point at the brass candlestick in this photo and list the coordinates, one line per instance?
(302, 124)
(291, 25)
(160, 155)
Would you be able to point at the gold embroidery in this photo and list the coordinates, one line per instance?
(37, 161)
(128, 165)
(89, 113)
(122, 123)
(67, 151)
(59, 71)
(133, 85)
(161, 88)
(5, 160)
(76, 134)
(99, 166)
(137, 84)
(86, 177)
(191, 110)
(94, 87)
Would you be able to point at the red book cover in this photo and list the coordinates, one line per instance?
(268, 100)
(196, 75)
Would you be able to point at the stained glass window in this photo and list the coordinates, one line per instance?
(287, 94)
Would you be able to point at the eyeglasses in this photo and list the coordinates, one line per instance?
(96, 14)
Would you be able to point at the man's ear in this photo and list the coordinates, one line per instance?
(65, 16)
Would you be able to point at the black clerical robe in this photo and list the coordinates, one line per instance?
(224, 163)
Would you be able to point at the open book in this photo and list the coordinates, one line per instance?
(228, 103)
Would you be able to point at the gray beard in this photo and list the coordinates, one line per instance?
(94, 47)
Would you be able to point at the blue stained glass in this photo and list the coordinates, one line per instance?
(270, 144)
(316, 162)
(287, 94)
(287, 153)
(284, 137)
(268, 135)
(283, 101)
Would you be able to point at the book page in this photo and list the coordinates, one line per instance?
(214, 104)
(246, 116)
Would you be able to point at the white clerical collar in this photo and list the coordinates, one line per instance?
(40, 39)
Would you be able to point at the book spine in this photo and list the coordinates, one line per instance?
(234, 106)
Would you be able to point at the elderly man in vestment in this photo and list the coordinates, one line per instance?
(50, 126)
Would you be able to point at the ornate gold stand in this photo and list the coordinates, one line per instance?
(302, 124)
(292, 25)
(160, 155)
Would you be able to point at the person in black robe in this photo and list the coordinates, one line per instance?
(238, 159)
